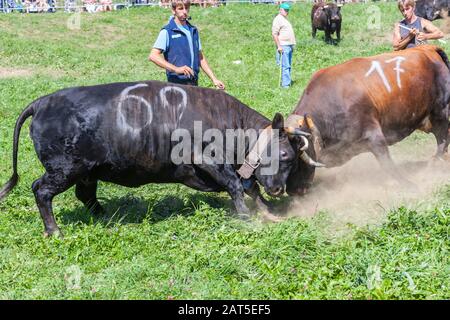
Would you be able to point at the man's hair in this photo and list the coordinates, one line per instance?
(184, 3)
(404, 3)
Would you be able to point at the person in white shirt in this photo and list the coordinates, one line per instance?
(284, 38)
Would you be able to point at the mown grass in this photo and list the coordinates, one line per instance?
(169, 241)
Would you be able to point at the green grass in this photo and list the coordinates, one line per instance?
(169, 241)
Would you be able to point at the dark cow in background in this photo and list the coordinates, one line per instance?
(122, 133)
(432, 9)
(326, 17)
(368, 104)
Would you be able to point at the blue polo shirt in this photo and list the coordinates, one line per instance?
(162, 42)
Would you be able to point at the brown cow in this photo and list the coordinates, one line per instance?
(367, 104)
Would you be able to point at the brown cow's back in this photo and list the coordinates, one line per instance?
(397, 91)
(367, 104)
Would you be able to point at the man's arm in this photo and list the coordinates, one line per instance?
(397, 42)
(275, 34)
(205, 67)
(157, 58)
(431, 32)
(277, 42)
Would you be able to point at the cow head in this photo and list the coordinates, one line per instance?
(431, 9)
(284, 153)
(426, 10)
(333, 12)
(302, 173)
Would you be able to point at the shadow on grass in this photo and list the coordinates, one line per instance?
(130, 210)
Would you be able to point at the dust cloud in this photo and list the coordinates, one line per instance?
(361, 193)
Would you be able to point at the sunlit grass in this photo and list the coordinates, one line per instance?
(162, 241)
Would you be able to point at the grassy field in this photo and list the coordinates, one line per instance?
(169, 241)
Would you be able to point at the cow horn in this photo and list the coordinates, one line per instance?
(316, 136)
(297, 132)
(305, 144)
(307, 159)
(326, 6)
(317, 141)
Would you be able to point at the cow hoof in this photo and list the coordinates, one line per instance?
(96, 209)
(263, 207)
(53, 233)
(244, 216)
(268, 217)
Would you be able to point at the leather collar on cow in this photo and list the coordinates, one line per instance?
(253, 159)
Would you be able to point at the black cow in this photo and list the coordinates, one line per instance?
(124, 133)
(432, 9)
(326, 17)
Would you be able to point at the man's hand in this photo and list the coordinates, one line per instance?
(421, 36)
(413, 32)
(185, 70)
(219, 84)
(280, 49)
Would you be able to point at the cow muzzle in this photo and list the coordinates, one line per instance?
(335, 19)
(275, 191)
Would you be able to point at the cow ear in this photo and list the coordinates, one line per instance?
(278, 121)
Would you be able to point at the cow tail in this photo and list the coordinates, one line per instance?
(443, 57)
(29, 111)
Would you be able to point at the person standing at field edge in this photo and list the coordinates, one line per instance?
(178, 49)
(284, 38)
(412, 30)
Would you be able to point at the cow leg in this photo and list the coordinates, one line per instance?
(225, 175)
(255, 193)
(86, 192)
(379, 147)
(448, 139)
(338, 33)
(45, 189)
(440, 129)
(314, 31)
(263, 205)
(327, 36)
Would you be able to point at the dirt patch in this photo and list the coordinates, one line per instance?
(361, 193)
(14, 73)
(24, 72)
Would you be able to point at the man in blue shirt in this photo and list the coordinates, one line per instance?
(178, 49)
